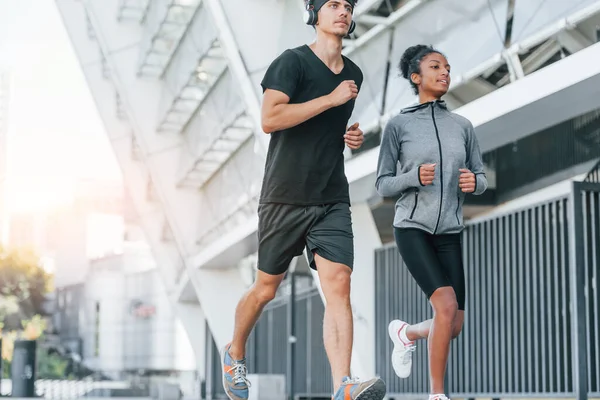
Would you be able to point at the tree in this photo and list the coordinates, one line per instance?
(22, 281)
(8, 305)
(50, 364)
(23, 286)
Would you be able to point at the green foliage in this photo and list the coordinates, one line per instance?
(23, 287)
(24, 283)
(8, 305)
(33, 328)
(6, 369)
(8, 345)
(50, 366)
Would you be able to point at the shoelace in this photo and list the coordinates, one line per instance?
(352, 381)
(409, 349)
(239, 373)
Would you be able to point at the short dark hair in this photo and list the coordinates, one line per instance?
(410, 63)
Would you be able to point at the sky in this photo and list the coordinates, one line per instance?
(55, 133)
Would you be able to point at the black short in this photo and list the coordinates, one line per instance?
(284, 230)
(433, 260)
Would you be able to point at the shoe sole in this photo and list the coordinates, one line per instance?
(393, 334)
(376, 391)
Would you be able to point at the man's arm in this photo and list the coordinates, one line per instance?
(278, 114)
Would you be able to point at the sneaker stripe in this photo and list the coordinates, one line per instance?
(347, 392)
(400, 338)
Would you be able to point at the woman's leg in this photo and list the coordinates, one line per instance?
(421, 330)
(449, 251)
(432, 262)
(450, 303)
(419, 254)
(445, 308)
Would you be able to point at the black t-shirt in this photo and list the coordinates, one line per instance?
(305, 163)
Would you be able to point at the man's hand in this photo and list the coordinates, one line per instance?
(354, 137)
(427, 173)
(466, 181)
(345, 91)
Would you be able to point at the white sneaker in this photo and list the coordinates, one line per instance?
(438, 397)
(402, 354)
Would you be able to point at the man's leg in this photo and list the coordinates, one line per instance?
(331, 252)
(337, 325)
(250, 308)
(281, 232)
(247, 313)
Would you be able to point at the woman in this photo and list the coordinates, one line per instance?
(440, 162)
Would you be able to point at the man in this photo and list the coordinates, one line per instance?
(309, 95)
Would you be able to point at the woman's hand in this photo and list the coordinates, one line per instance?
(466, 181)
(426, 174)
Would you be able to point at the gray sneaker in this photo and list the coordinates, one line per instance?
(235, 382)
(354, 389)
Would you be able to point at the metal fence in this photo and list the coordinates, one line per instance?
(594, 175)
(532, 312)
(268, 352)
(77, 389)
(552, 150)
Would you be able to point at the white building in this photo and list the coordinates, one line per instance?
(177, 85)
(128, 325)
(113, 314)
(120, 324)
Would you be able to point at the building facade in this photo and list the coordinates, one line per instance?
(177, 86)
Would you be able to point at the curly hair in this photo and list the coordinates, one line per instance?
(410, 63)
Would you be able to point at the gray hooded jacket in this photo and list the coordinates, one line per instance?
(423, 134)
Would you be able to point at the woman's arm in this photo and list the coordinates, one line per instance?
(475, 162)
(388, 184)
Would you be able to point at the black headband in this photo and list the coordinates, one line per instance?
(317, 4)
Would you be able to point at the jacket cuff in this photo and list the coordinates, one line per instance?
(480, 184)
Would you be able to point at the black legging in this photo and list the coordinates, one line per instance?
(434, 261)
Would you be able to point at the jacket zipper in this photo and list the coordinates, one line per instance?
(415, 206)
(441, 168)
(457, 206)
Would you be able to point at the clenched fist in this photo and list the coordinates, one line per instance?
(345, 91)
(354, 137)
(427, 173)
(466, 181)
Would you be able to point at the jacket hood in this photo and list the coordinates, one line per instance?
(417, 107)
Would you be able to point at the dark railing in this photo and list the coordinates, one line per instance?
(586, 198)
(267, 350)
(542, 154)
(594, 175)
(532, 312)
